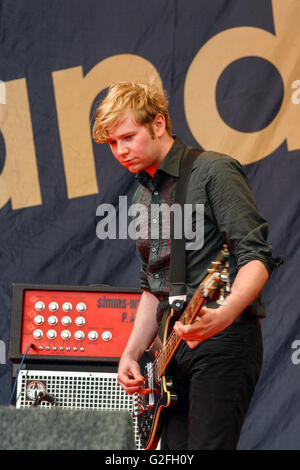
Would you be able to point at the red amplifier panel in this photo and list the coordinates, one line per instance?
(76, 323)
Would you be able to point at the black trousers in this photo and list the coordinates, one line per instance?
(214, 383)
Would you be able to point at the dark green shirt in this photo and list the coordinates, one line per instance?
(230, 216)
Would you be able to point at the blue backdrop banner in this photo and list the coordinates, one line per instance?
(231, 70)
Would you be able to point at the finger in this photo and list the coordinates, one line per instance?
(203, 311)
(130, 388)
(130, 382)
(186, 329)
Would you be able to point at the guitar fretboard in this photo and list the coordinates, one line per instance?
(173, 341)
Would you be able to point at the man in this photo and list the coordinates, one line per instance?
(217, 365)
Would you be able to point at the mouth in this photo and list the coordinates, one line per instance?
(129, 162)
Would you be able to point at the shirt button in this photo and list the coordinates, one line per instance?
(153, 250)
(156, 276)
(154, 221)
(155, 193)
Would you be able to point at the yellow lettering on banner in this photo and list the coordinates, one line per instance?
(2, 92)
(19, 179)
(74, 96)
(282, 50)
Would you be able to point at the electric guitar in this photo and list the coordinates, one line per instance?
(157, 393)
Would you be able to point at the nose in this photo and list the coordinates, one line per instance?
(122, 149)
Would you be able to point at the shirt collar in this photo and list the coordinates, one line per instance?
(170, 164)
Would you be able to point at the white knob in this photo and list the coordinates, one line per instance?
(81, 307)
(40, 306)
(39, 320)
(106, 336)
(80, 321)
(65, 334)
(93, 335)
(67, 307)
(52, 320)
(53, 306)
(66, 321)
(79, 335)
(51, 334)
(38, 334)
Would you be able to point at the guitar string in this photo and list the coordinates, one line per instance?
(171, 341)
(173, 338)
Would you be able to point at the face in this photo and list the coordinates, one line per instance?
(133, 145)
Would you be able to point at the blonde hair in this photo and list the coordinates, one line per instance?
(145, 101)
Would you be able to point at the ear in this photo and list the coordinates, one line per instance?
(159, 125)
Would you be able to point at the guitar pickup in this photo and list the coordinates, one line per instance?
(150, 383)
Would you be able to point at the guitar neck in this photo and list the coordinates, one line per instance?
(173, 341)
(217, 277)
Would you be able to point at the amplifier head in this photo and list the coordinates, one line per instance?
(71, 323)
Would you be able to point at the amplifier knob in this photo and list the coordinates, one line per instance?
(79, 335)
(81, 307)
(39, 320)
(52, 320)
(67, 307)
(38, 334)
(66, 321)
(80, 321)
(106, 336)
(93, 335)
(39, 306)
(53, 306)
(51, 334)
(65, 334)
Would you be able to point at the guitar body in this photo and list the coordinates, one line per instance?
(151, 406)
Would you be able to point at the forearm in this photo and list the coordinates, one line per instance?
(144, 328)
(248, 283)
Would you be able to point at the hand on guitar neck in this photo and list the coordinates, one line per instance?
(248, 283)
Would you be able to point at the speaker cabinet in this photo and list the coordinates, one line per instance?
(61, 429)
(72, 390)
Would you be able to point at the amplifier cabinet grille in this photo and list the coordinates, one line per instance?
(75, 390)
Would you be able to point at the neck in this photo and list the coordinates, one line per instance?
(165, 145)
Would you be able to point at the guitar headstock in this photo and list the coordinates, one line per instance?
(217, 282)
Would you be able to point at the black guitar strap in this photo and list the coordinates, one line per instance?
(178, 255)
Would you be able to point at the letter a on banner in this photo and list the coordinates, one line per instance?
(282, 50)
(19, 181)
(74, 95)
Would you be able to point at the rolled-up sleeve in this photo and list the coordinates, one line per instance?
(241, 225)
